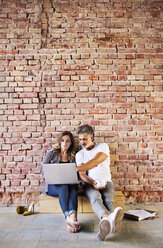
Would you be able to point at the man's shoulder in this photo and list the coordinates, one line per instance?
(102, 145)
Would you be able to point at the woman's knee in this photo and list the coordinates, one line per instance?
(52, 190)
(63, 188)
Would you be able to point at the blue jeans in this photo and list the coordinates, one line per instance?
(101, 200)
(67, 197)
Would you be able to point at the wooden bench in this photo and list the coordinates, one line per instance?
(49, 204)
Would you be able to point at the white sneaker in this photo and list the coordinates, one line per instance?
(115, 219)
(105, 229)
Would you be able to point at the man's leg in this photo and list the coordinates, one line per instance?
(108, 196)
(100, 210)
(96, 201)
(116, 215)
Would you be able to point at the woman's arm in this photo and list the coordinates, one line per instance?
(48, 158)
(98, 159)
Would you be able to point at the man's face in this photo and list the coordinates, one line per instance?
(86, 140)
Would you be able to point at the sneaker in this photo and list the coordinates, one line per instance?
(105, 229)
(115, 219)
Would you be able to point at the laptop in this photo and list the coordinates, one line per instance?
(60, 173)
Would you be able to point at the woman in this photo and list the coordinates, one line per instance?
(64, 153)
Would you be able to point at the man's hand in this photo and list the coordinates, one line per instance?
(88, 180)
(97, 188)
(85, 178)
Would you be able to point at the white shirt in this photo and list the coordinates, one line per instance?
(100, 172)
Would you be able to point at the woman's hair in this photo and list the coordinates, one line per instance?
(71, 150)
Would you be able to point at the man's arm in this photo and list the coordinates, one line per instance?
(88, 180)
(98, 159)
(85, 178)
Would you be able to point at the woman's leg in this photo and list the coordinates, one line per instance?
(73, 205)
(52, 190)
(73, 199)
(63, 192)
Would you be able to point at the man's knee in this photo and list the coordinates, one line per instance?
(94, 197)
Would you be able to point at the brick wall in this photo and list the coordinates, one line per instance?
(68, 62)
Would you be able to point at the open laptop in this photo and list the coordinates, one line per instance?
(63, 173)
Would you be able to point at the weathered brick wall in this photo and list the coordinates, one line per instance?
(68, 62)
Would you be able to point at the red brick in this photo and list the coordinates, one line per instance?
(15, 183)
(5, 183)
(106, 75)
(25, 183)
(15, 189)
(133, 188)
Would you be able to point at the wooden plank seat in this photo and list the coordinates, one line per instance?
(49, 204)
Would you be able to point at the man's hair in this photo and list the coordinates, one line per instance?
(85, 129)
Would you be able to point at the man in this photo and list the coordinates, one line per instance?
(93, 165)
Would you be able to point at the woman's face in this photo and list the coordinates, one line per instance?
(65, 143)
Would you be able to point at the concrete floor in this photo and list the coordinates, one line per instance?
(48, 231)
